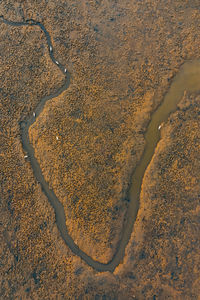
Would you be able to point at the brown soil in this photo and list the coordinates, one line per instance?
(122, 56)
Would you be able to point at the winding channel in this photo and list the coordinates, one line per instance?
(188, 78)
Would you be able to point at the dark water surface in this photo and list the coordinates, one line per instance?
(188, 78)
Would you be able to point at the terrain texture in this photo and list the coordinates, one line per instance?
(122, 56)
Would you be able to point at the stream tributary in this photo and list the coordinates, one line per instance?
(188, 78)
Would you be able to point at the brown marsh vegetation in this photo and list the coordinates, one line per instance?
(122, 56)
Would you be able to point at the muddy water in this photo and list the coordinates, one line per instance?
(188, 78)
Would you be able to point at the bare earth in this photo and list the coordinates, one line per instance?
(122, 56)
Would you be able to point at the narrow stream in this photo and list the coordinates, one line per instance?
(188, 78)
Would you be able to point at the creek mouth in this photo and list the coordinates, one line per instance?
(188, 78)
